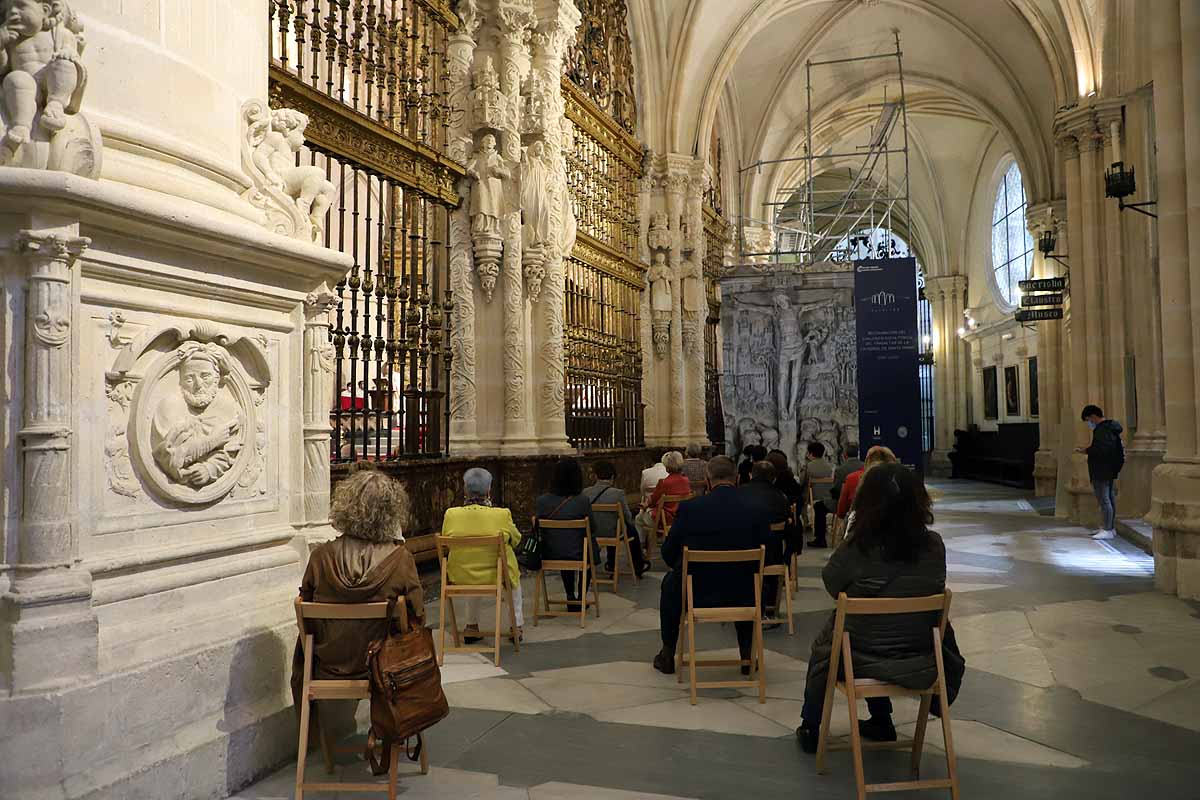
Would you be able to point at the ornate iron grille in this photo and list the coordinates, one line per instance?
(371, 77)
(604, 281)
(716, 238)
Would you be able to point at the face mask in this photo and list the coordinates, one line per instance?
(1091, 424)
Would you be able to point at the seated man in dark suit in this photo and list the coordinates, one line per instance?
(723, 519)
(772, 504)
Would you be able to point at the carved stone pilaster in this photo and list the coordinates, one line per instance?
(50, 632)
(318, 399)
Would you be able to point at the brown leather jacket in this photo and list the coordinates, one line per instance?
(349, 570)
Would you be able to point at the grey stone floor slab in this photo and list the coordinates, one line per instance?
(1082, 682)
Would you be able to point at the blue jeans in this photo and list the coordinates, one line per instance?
(1106, 496)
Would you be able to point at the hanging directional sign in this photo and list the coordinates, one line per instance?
(1050, 299)
(1038, 314)
(1043, 285)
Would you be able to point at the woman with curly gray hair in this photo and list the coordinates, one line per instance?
(367, 563)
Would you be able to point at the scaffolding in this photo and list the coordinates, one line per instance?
(809, 224)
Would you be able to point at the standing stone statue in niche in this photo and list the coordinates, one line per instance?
(693, 286)
(660, 284)
(489, 171)
(535, 196)
(41, 45)
(197, 432)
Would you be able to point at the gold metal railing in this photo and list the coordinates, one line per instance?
(371, 77)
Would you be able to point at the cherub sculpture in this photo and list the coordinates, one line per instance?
(40, 48)
(273, 137)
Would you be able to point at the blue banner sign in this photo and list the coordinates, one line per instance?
(889, 391)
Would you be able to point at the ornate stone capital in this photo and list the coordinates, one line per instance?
(1039, 217)
(319, 302)
(51, 246)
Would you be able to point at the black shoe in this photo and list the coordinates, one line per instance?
(745, 669)
(664, 662)
(817, 545)
(770, 625)
(809, 738)
(471, 635)
(641, 569)
(877, 729)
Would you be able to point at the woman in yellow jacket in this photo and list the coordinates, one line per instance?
(476, 517)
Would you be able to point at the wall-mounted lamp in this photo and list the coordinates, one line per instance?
(1047, 241)
(925, 356)
(962, 332)
(1120, 183)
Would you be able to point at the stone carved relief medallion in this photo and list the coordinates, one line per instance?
(195, 417)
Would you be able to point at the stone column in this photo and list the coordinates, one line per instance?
(318, 399)
(1175, 500)
(1112, 287)
(1074, 494)
(945, 295)
(694, 319)
(464, 435)
(1147, 445)
(676, 183)
(653, 427)
(1045, 468)
(557, 21)
(515, 22)
(49, 633)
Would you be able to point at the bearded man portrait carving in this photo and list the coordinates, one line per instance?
(197, 431)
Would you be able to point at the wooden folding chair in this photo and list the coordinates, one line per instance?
(784, 595)
(698, 488)
(314, 690)
(618, 541)
(500, 590)
(660, 519)
(692, 615)
(541, 594)
(854, 688)
(794, 562)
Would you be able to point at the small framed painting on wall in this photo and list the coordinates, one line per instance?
(991, 402)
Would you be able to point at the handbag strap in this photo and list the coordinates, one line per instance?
(381, 765)
(559, 507)
(391, 616)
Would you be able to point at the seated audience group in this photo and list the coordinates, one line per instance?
(889, 551)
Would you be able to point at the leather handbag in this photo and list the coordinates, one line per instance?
(406, 688)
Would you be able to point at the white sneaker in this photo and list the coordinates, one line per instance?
(1102, 535)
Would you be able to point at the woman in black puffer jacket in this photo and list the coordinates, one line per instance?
(891, 553)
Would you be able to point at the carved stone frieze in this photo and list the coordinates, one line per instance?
(192, 399)
(790, 361)
(374, 146)
(42, 81)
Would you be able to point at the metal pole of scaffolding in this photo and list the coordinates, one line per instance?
(808, 152)
(904, 118)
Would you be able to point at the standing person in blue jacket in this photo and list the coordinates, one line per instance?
(1105, 456)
